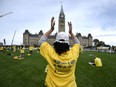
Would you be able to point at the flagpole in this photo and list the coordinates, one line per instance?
(13, 38)
(4, 42)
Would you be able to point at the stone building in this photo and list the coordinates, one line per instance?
(85, 40)
(32, 39)
(1, 44)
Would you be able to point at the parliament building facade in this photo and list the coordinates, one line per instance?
(32, 39)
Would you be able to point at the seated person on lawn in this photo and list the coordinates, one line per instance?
(96, 62)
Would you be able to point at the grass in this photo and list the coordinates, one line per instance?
(29, 72)
(88, 76)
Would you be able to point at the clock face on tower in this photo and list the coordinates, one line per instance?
(62, 16)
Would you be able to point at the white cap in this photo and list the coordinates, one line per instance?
(62, 36)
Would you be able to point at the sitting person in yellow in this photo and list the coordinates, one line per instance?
(1, 49)
(14, 48)
(31, 49)
(21, 52)
(60, 57)
(98, 62)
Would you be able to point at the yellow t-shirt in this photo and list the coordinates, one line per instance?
(1, 48)
(61, 69)
(98, 62)
(30, 48)
(22, 50)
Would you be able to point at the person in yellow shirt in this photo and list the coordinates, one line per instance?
(97, 62)
(81, 49)
(1, 49)
(38, 49)
(14, 48)
(31, 50)
(60, 57)
(21, 52)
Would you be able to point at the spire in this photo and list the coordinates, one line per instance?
(26, 32)
(61, 11)
(61, 26)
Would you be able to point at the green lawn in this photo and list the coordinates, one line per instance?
(29, 72)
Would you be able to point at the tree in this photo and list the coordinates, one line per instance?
(96, 42)
(101, 43)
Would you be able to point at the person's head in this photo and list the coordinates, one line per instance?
(22, 46)
(61, 43)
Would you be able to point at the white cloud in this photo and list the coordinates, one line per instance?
(88, 16)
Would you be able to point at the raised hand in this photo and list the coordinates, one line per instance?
(70, 27)
(70, 30)
(52, 23)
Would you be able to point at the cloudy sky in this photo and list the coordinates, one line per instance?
(97, 17)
